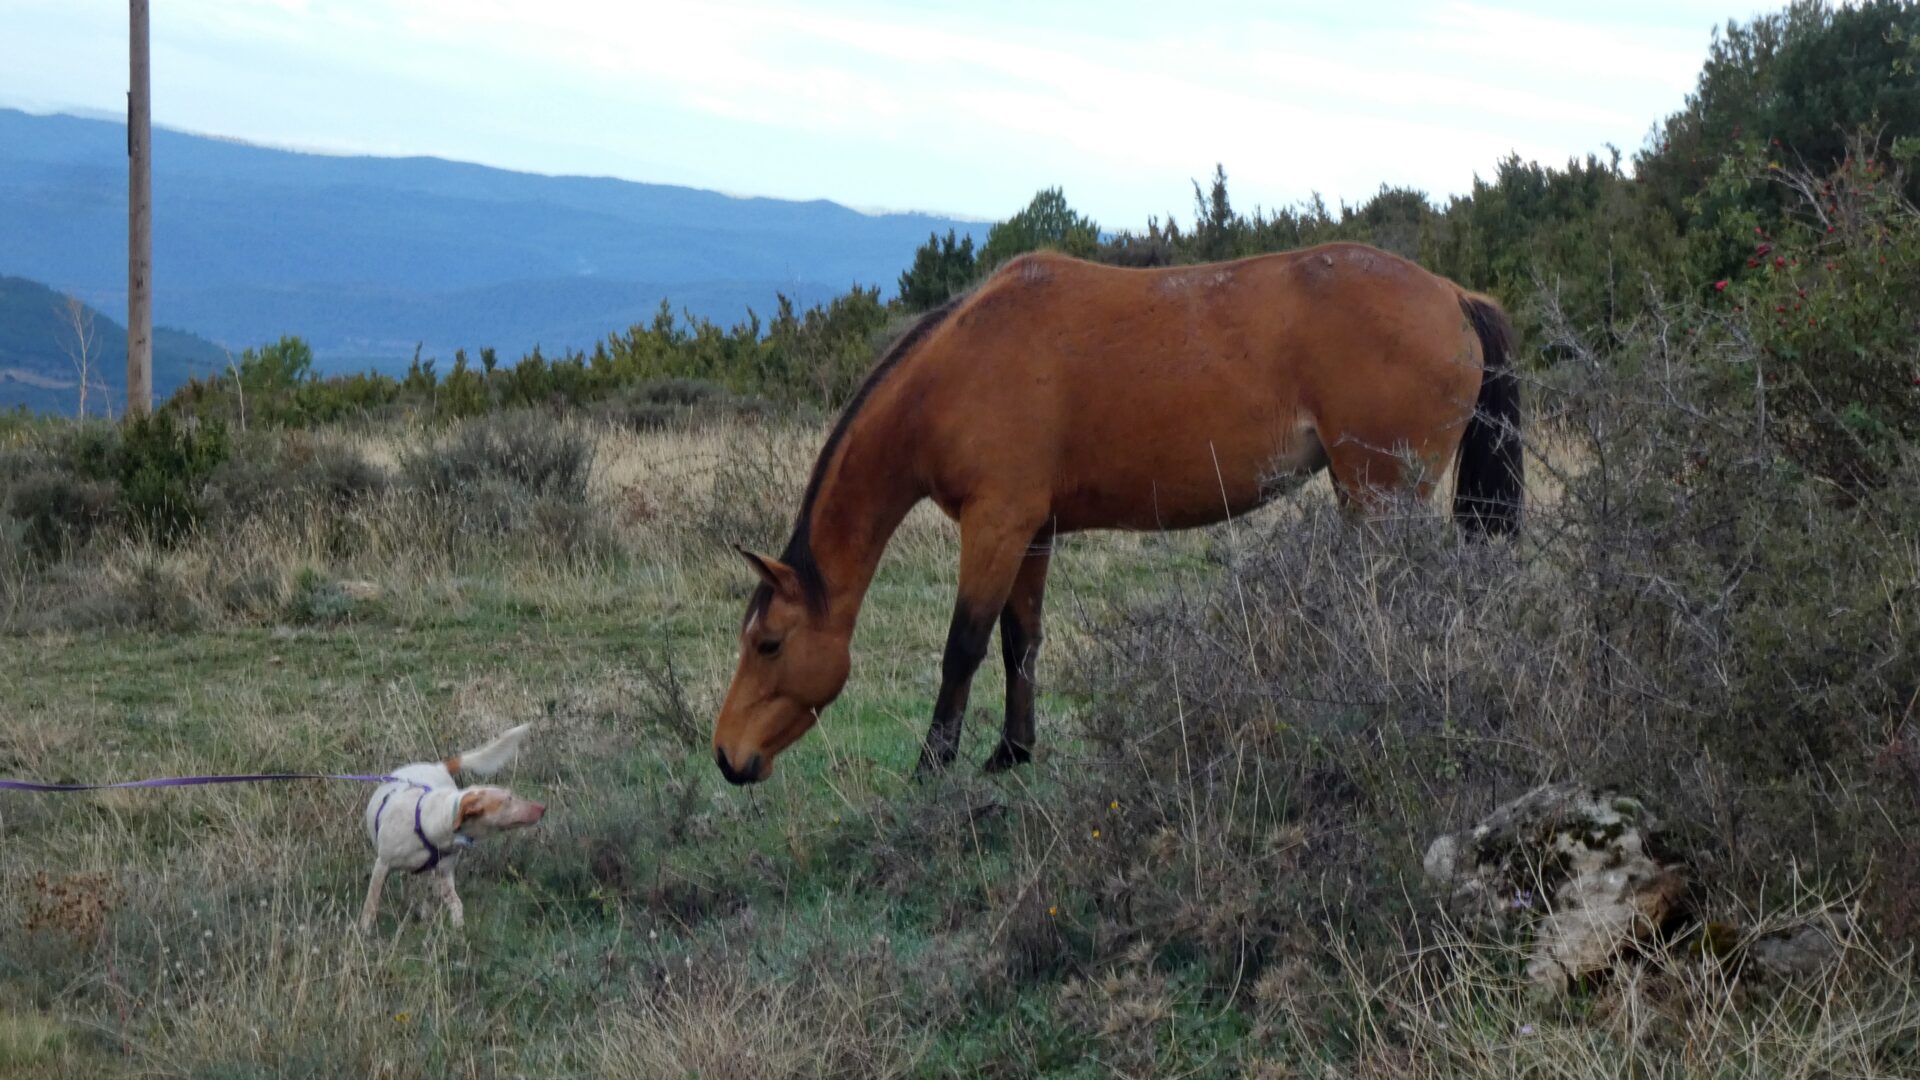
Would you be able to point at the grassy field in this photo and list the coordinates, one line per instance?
(211, 928)
(838, 920)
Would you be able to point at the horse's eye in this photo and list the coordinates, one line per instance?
(768, 648)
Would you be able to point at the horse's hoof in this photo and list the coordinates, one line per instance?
(1006, 756)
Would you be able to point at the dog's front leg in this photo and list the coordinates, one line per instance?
(443, 884)
(374, 886)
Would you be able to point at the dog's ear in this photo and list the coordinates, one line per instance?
(475, 803)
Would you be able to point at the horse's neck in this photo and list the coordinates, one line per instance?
(861, 503)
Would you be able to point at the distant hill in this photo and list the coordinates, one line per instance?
(365, 256)
(37, 371)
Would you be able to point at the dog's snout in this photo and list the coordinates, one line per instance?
(746, 774)
(535, 812)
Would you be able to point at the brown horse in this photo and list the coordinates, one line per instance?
(1063, 395)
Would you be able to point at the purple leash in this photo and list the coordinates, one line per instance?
(433, 853)
(194, 781)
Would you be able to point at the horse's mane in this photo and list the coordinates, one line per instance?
(799, 550)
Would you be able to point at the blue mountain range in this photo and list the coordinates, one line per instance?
(366, 257)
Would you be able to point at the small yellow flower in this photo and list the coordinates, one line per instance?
(401, 1018)
(1096, 834)
(1052, 911)
(1114, 805)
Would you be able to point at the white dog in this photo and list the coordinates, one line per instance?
(421, 819)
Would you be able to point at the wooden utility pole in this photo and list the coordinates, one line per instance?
(139, 220)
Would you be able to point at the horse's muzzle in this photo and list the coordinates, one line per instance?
(747, 774)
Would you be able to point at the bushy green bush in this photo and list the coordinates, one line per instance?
(148, 476)
(1829, 295)
(1047, 223)
(1795, 82)
(941, 270)
(162, 466)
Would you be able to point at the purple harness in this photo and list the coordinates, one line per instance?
(433, 853)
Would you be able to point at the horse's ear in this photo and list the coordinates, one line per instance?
(773, 572)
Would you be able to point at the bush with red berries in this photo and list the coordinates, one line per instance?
(1831, 301)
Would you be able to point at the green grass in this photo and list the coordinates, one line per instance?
(839, 919)
(645, 858)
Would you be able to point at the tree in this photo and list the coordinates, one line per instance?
(279, 367)
(1216, 228)
(1796, 83)
(940, 270)
(80, 348)
(1395, 219)
(1047, 222)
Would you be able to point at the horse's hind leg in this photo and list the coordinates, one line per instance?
(1368, 479)
(1020, 647)
(993, 546)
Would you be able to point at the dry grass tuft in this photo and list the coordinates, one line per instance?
(719, 1020)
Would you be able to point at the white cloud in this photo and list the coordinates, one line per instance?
(910, 108)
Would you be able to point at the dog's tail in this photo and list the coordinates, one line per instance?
(492, 757)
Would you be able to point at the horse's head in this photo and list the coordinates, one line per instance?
(791, 666)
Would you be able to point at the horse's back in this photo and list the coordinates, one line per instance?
(1171, 397)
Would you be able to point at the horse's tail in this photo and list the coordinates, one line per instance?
(1490, 481)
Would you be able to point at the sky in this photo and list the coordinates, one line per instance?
(962, 107)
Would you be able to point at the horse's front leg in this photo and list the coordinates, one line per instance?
(993, 545)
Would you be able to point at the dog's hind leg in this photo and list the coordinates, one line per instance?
(374, 886)
(443, 885)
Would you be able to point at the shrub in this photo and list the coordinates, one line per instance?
(1686, 618)
(749, 495)
(161, 466)
(520, 477)
(941, 270)
(1046, 223)
(286, 475)
(663, 403)
(1829, 298)
(317, 598)
(57, 511)
(526, 451)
